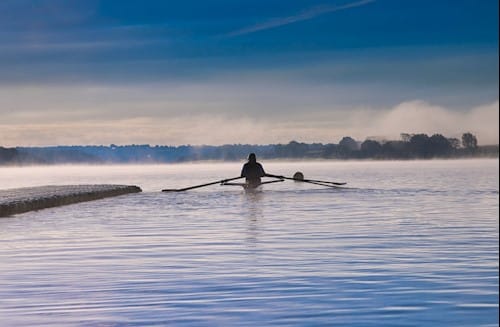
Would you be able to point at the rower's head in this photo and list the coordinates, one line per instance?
(252, 157)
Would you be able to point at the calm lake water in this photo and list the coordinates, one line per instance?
(407, 244)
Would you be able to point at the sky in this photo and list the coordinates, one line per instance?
(216, 72)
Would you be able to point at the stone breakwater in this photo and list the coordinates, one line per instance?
(14, 201)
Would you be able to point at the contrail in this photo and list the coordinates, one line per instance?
(305, 15)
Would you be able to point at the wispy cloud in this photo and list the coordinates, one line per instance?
(304, 15)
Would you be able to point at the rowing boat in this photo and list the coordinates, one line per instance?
(251, 186)
(297, 177)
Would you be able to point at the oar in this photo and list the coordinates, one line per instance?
(201, 185)
(327, 182)
(312, 181)
(317, 183)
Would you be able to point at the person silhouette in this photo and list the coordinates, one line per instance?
(252, 171)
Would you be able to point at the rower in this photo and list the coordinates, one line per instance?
(252, 171)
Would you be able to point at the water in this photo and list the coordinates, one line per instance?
(408, 244)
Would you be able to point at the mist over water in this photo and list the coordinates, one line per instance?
(406, 244)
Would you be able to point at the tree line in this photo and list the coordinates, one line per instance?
(409, 146)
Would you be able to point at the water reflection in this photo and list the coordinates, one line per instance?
(254, 214)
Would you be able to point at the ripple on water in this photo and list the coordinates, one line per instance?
(404, 253)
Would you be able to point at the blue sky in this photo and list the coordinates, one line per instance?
(214, 72)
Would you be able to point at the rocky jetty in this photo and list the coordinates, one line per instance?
(14, 201)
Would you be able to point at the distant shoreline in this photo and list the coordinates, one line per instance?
(410, 147)
(29, 163)
(27, 166)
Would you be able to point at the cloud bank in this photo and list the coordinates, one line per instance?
(170, 122)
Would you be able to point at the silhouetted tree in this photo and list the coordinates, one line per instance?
(329, 150)
(454, 142)
(419, 145)
(293, 149)
(8, 155)
(439, 146)
(296, 149)
(349, 143)
(396, 149)
(405, 137)
(469, 141)
(346, 146)
(370, 149)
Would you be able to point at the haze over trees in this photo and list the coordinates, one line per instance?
(410, 146)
